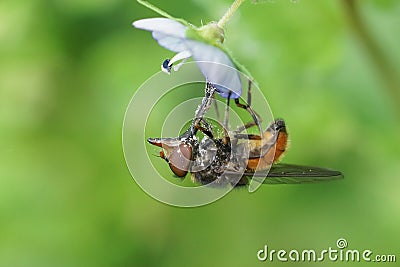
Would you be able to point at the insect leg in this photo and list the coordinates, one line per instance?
(248, 125)
(204, 107)
(226, 116)
(254, 115)
(206, 129)
(248, 136)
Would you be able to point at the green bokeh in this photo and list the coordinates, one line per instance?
(67, 72)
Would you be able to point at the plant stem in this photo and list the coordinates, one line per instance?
(382, 64)
(160, 11)
(221, 23)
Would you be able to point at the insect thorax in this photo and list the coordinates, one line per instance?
(212, 159)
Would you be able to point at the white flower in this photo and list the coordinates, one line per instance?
(203, 45)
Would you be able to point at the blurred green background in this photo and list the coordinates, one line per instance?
(68, 70)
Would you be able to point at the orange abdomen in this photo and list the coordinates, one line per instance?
(273, 154)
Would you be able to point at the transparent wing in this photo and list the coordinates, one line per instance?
(282, 173)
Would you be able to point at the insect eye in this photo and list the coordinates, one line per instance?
(179, 160)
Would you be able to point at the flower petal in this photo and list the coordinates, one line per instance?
(213, 62)
(217, 68)
(163, 25)
(172, 43)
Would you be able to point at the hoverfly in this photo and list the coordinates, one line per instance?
(222, 160)
(214, 160)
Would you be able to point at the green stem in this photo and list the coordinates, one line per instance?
(155, 9)
(221, 23)
(160, 11)
(382, 64)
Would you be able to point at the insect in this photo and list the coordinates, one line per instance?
(237, 158)
(205, 105)
(229, 161)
